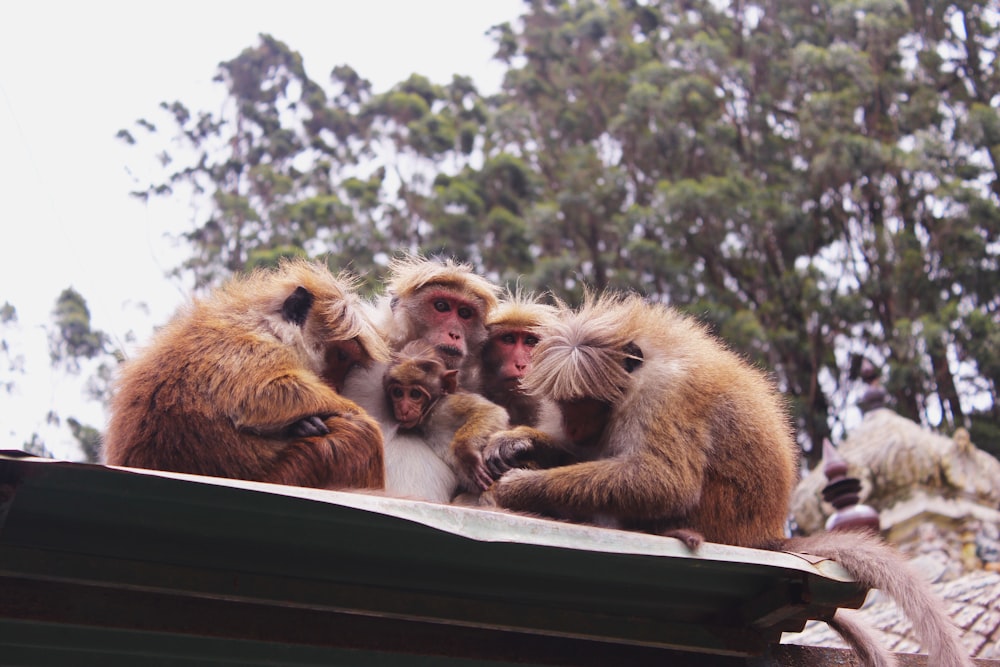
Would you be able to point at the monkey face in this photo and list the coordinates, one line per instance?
(409, 404)
(584, 420)
(340, 358)
(450, 322)
(508, 357)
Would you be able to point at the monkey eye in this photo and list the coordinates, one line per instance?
(416, 394)
(397, 392)
(465, 312)
(442, 306)
(531, 341)
(508, 339)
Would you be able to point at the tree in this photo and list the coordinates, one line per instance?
(13, 361)
(73, 339)
(815, 180)
(72, 342)
(808, 187)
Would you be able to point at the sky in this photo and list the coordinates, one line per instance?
(74, 73)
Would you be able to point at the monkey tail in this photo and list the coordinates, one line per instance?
(876, 564)
(869, 651)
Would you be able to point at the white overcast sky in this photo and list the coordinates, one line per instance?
(73, 73)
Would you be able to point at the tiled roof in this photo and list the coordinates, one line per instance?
(973, 602)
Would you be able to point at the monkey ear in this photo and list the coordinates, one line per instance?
(633, 357)
(297, 305)
(449, 381)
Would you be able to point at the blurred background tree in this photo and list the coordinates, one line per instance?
(815, 180)
(76, 350)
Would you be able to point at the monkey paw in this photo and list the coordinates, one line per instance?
(504, 454)
(307, 426)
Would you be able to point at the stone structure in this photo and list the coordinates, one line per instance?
(938, 501)
(937, 497)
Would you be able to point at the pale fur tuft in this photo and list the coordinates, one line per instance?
(581, 354)
(408, 273)
(520, 311)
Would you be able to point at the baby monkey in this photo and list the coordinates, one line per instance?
(424, 398)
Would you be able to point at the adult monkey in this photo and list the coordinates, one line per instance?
(443, 304)
(243, 384)
(664, 428)
(512, 334)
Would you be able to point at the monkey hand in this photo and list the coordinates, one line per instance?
(473, 468)
(505, 451)
(306, 427)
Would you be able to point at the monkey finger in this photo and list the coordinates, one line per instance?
(309, 426)
(514, 451)
(483, 477)
(496, 466)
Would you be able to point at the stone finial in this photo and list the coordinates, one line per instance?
(843, 493)
(875, 395)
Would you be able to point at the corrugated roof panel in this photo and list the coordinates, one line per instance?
(145, 551)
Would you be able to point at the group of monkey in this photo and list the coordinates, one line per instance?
(620, 413)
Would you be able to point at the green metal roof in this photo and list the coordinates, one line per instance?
(106, 565)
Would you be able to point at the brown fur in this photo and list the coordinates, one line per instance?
(412, 282)
(239, 384)
(665, 429)
(443, 304)
(455, 425)
(519, 317)
(696, 437)
(876, 564)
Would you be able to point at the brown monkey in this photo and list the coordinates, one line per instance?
(243, 384)
(443, 304)
(512, 334)
(456, 425)
(665, 428)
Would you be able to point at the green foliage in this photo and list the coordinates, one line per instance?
(74, 339)
(13, 362)
(802, 186)
(36, 447)
(89, 439)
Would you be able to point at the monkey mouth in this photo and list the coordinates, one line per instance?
(450, 355)
(512, 384)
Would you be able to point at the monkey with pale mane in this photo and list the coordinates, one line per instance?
(444, 305)
(664, 428)
(455, 424)
(244, 384)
